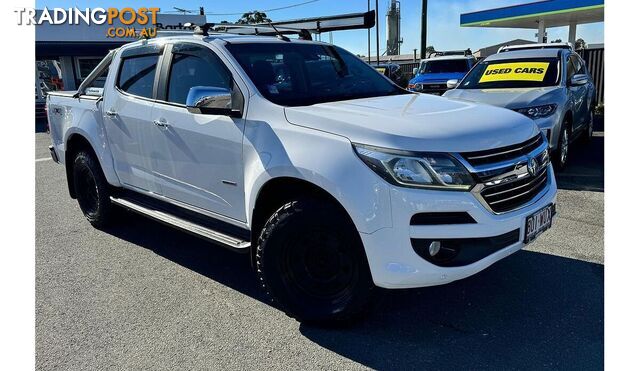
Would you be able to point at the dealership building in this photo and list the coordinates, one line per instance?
(66, 54)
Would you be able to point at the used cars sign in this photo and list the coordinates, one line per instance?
(529, 71)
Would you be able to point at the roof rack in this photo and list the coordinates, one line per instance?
(301, 27)
(249, 29)
(506, 48)
(450, 52)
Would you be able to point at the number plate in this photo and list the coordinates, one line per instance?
(538, 222)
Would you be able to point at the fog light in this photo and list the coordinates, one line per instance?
(434, 248)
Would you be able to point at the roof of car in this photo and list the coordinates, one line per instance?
(528, 53)
(227, 37)
(447, 57)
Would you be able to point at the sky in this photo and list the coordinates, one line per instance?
(443, 20)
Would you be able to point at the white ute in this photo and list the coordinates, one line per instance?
(335, 181)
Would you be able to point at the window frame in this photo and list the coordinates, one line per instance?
(137, 52)
(161, 89)
(566, 72)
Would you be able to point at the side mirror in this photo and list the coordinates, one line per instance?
(452, 84)
(579, 79)
(211, 100)
(415, 70)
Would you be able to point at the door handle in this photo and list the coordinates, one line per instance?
(161, 124)
(111, 113)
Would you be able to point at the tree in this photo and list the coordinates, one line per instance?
(254, 17)
(557, 41)
(580, 44)
(430, 49)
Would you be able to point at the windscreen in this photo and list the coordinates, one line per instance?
(445, 66)
(514, 73)
(295, 74)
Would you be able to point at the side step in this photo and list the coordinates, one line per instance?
(226, 240)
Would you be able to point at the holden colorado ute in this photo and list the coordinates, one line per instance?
(334, 180)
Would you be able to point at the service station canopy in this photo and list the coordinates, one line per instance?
(553, 13)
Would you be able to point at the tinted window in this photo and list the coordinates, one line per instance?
(294, 74)
(137, 75)
(571, 69)
(193, 65)
(445, 66)
(578, 63)
(512, 73)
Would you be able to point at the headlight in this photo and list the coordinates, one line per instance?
(421, 170)
(538, 111)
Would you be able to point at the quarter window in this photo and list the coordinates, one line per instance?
(137, 75)
(192, 65)
(571, 69)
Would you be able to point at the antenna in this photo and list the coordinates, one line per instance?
(183, 11)
(278, 33)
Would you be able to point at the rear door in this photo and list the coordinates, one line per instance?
(198, 157)
(127, 115)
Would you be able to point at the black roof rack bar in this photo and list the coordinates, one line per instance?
(450, 52)
(341, 22)
(302, 27)
(249, 29)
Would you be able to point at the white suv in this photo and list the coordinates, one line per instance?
(333, 179)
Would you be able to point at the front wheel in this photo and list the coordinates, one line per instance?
(92, 189)
(561, 155)
(311, 262)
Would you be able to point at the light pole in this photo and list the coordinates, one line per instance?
(377, 36)
(369, 33)
(423, 31)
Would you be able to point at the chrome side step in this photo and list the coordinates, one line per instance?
(188, 226)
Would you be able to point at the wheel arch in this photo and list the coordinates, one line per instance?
(75, 142)
(279, 190)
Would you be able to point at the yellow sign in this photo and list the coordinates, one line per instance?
(526, 71)
(380, 69)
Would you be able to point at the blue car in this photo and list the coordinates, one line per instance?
(433, 73)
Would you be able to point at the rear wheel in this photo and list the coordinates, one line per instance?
(92, 189)
(311, 262)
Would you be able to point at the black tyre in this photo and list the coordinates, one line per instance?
(92, 189)
(561, 154)
(311, 262)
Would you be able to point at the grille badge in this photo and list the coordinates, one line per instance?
(533, 167)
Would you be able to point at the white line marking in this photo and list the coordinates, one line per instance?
(43, 159)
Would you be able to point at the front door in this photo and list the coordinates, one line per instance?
(198, 157)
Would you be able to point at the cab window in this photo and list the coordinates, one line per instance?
(193, 65)
(137, 75)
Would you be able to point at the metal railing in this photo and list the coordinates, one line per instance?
(595, 64)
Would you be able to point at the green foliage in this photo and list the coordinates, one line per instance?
(254, 17)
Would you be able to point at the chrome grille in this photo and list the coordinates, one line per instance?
(512, 195)
(503, 153)
(510, 177)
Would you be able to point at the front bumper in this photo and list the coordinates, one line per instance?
(430, 88)
(395, 264)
